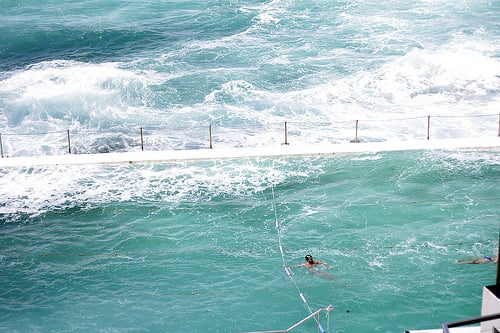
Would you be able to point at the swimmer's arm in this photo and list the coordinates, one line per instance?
(318, 262)
(295, 266)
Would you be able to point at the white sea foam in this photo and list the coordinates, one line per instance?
(35, 190)
(59, 78)
(87, 180)
(456, 84)
(49, 94)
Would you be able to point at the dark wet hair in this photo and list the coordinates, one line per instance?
(307, 257)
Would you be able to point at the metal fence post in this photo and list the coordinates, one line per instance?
(1, 145)
(210, 133)
(69, 143)
(428, 126)
(286, 133)
(356, 140)
(142, 141)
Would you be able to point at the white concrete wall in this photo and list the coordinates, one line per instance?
(490, 143)
(491, 305)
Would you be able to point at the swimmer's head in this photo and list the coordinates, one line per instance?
(308, 258)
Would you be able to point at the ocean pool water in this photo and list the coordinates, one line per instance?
(192, 246)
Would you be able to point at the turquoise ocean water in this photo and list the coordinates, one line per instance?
(192, 246)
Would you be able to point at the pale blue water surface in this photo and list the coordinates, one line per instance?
(193, 246)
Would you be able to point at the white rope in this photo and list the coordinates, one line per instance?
(286, 268)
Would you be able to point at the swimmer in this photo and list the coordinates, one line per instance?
(482, 260)
(310, 262)
(313, 267)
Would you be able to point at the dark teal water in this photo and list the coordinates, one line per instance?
(193, 246)
(104, 69)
